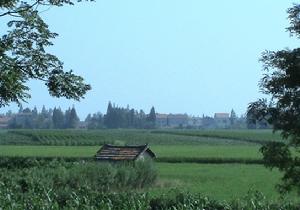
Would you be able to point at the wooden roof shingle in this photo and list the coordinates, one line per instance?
(115, 153)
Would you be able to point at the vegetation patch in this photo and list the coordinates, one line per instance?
(71, 137)
(58, 183)
(251, 136)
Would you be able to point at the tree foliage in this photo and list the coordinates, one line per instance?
(24, 56)
(119, 117)
(46, 119)
(282, 82)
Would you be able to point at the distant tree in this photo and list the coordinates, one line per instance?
(251, 118)
(95, 121)
(9, 113)
(131, 118)
(58, 118)
(141, 119)
(151, 118)
(44, 112)
(88, 118)
(67, 118)
(74, 119)
(20, 109)
(71, 118)
(27, 111)
(233, 119)
(282, 82)
(109, 117)
(152, 115)
(35, 112)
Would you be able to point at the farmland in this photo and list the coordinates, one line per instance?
(179, 153)
(124, 136)
(176, 151)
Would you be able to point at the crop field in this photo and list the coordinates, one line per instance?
(251, 136)
(123, 136)
(180, 157)
(176, 151)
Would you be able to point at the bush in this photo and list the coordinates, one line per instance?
(59, 182)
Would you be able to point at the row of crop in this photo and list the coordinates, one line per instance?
(243, 136)
(13, 139)
(28, 162)
(97, 137)
(40, 137)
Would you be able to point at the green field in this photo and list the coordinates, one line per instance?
(254, 136)
(224, 181)
(122, 136)
(219, 181)
(176, 151)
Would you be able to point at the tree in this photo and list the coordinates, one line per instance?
(58, 118)
(108, 118)
(233, 118)
(74, 119)
(282, 82)
(23, 54)
(251, 118)
(151, 118)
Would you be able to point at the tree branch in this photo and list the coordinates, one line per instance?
(22, 9)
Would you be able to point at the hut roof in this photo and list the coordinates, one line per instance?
(115, 153)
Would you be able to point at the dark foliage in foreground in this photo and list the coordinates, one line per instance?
(70, 183)
(29, 162)
(24, 56)
(58, 184)
(86, 199)
(282, 82)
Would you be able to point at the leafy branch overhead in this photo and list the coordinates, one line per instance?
(281, 81)
(23, 54)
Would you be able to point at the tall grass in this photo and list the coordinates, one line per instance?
(59, 183)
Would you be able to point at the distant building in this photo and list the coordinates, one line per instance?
(172, 120)
(161, 120)
(221, 115)
(219, 120)
(124, 153)
(178, 120)
(222, 120)
(195, 122)
(4, 121)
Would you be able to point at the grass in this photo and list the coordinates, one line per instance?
(174, 151)
(219, 181)
(207, 151)
(222, 182)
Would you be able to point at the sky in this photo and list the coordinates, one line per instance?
(180, 56)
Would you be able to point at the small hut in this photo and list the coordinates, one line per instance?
(124, 153)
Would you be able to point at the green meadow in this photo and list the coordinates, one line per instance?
(219, 181)
(176, 151)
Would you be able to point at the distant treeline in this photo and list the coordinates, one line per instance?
(115, 117)
(45, 119)
(120, 117)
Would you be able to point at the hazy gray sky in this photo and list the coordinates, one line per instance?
(180, 56)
